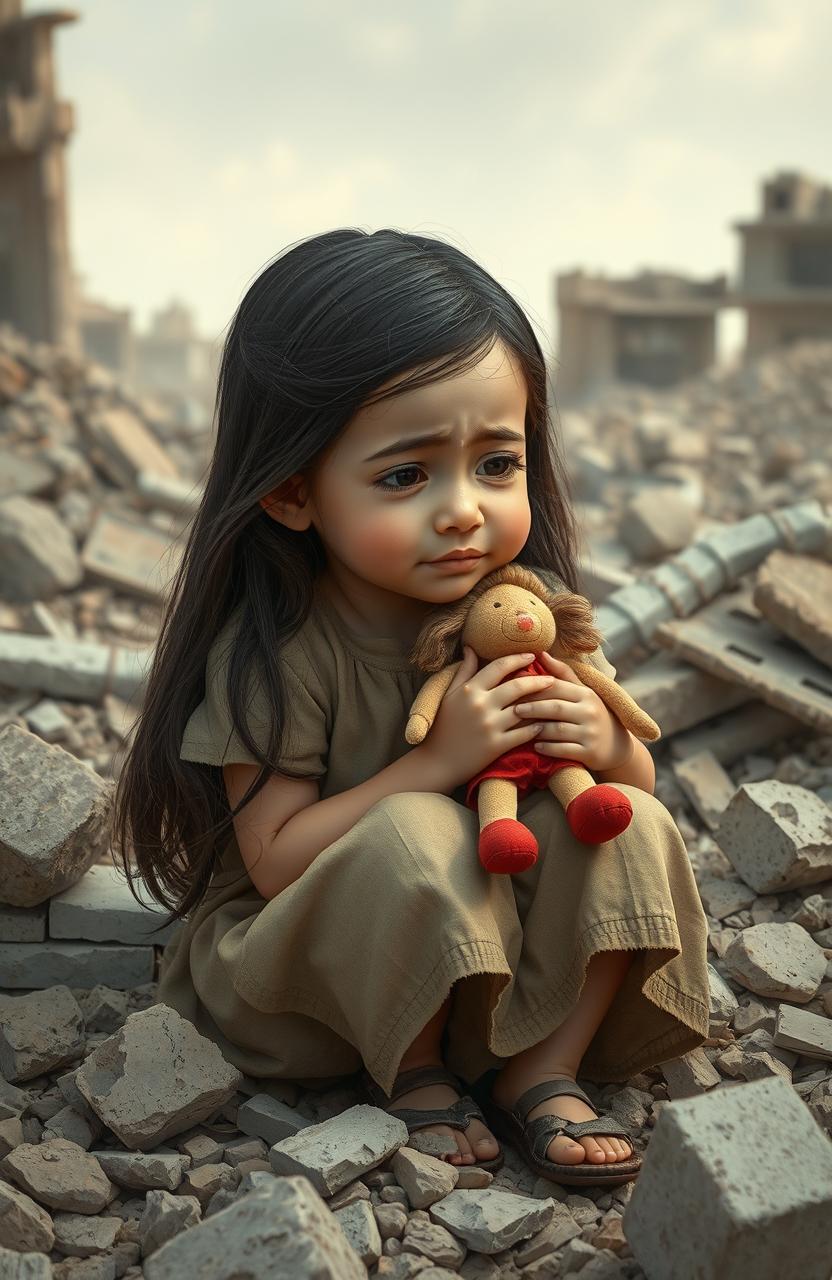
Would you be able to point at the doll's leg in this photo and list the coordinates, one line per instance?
(505, 845)
(596, 812)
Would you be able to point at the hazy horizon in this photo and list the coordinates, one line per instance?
(538, 138)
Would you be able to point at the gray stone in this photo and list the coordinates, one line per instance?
(794, 592)
(155, 1077)
(38, 557)
(491, 1219)
(358, 1223)
(724, 896)
(23, 1223)
(22, 924)
(74, 964)
(333, 1153)
(81, 670)
(60, 1174)
(24, 1266)
(81, 1235)
(777, 960)
(657, 522)
(164, 1217)
(74, 1126)
(777, 835)
(142, 1171)
(39, 1032)
(690, 1075)
(48, 721)
(101, 907)
(425, 1179)
(268, 1118)
(807, 1033)
(53, 828)
(706, 785)
(282, 1229)
(766, 1217)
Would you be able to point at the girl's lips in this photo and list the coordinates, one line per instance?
(455, 566)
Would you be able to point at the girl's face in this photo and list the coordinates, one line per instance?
(385, 506)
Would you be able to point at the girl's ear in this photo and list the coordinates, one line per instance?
(288, 504)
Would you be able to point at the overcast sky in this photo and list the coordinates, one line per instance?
(537, 136)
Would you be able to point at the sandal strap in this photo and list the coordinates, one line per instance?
(406, 1081)
(541, 1131)
(457, 1116)
(542, 1092)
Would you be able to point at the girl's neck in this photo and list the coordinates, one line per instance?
(366, 619)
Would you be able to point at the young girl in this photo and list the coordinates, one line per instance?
(382, 401)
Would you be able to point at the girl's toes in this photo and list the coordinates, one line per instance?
(594, 1152)
(563, 1150)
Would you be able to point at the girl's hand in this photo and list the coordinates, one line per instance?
(577, 725)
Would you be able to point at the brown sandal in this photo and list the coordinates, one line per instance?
(458, 1115)
(532, 1139)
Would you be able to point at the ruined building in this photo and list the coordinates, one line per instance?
(785, 276)
(36, 294)
(654, 328)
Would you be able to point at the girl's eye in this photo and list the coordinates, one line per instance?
(511, 459)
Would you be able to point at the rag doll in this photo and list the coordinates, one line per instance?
(511, 610)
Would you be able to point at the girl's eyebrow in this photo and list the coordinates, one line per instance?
(436, 437)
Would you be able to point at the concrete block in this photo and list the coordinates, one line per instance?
(22, 924)
(732, 735)
(80, 670)
(32, 966)
(706, 785)
(795, 594)
(736, 1183)
(130, 556)
(777, 836)
(54, 818)
(38, 559)
(730, 639)
(678, 694)
(101, 907)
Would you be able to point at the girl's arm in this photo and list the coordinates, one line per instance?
(638, 771)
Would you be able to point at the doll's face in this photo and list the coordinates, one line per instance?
(383, 519)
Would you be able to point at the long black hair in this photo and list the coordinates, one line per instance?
(323, 326)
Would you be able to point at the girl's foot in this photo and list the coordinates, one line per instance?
(476, 1143)
(510, 1084)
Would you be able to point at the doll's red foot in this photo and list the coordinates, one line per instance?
(507, 846)
(598, 814)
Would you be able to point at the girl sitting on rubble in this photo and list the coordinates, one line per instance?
(337, 919)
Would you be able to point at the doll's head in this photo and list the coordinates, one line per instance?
(510, 611)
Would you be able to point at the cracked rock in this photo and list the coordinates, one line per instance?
(778, 960)
(60, 1174)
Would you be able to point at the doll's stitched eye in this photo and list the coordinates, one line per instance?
(497, 605)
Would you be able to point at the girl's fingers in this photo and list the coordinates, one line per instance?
(560, 669)
(550, 711)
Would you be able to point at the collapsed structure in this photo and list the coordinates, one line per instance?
(709, 558)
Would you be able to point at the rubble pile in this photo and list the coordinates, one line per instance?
(130, 1147)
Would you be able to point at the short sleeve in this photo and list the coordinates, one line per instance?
(210, 736)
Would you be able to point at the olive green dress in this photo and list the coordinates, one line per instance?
(349, 962)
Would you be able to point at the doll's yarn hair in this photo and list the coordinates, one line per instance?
(439, 642)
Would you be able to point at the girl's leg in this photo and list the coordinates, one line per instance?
(559, 1055)
(474, 1143)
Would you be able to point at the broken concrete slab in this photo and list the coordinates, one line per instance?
(270, 1119)
(155, 1077)
(336, 1151)
(38, 558)
(807, 1033)
(678, 694)
(709, 566)
(52, 829)
(777, 835)
(24, 1224)
(130, 556)
(22, 924)
(794, 593)
(122, 447)
(39, 1032)
(730, 639)
(27, 965)
(656, 522)
(281, 1228)
(777, 960)
(101, 907)
(767, 1218)
(732, 734)
(706, 785)
(80, 670)
(60, 1174)
(490, 1219)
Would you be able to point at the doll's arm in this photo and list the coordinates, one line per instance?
(625, 708)
(426, 703)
